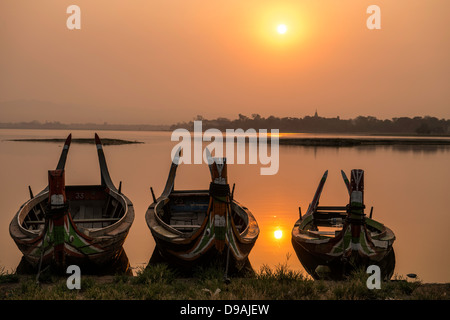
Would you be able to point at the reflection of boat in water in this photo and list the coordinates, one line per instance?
(193, 227)
(332, 241)
(82, 225)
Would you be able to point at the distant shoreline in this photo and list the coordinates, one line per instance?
(420, 126)
(312, 142)
(400, 135)
(352, 142)
(105, 141)
(88, 127)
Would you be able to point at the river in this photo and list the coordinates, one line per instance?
(408, 186)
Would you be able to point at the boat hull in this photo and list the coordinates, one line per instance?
(194, 227)
(203, 248)
(89, 250)
(332, 242)
(339, 267)
(118, 264)
(171, 254)
(73, 225)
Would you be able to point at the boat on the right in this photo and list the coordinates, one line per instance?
(333, 241)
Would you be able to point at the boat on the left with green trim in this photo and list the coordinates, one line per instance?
(85, 225)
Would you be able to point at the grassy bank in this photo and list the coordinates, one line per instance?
(162, 283)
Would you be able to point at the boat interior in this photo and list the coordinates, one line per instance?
(91, 207)
(186, 210)
(328, 222)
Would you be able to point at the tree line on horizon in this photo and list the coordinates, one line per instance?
(315, 124)
(309, 124)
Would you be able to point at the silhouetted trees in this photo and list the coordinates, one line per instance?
(315, 124)
(309, 124)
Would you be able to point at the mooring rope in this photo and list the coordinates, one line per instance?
(225, 277)
(42, 251)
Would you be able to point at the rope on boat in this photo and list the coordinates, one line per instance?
(40, 262)
(225, 276)
(50, 212)
(219, 191)
(360, 217)
(42, 251)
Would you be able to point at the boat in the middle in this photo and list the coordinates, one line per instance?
(193, 227)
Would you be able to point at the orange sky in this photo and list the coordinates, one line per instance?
(160, 62)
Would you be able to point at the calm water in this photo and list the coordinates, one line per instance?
(408, 188)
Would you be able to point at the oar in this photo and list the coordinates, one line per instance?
(346, 181)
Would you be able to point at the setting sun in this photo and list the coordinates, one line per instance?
(278, 234)
(282, 29)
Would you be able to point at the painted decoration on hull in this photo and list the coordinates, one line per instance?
(67, 236)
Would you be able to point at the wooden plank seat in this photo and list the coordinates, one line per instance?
(324, 233)
(183, 214)
(185, 226)
(328, 208)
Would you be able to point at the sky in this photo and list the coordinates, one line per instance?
(166, 61)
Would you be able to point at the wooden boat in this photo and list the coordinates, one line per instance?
(195, 227)
(333, 241)
(85, 225)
